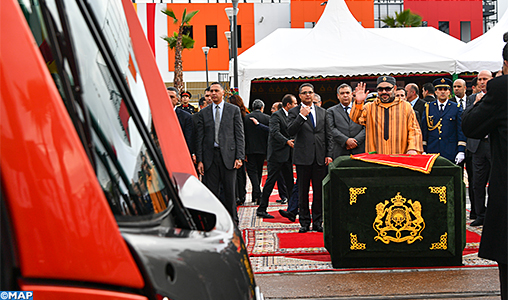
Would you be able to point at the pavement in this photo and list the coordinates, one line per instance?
(480, 283)
(461, 283)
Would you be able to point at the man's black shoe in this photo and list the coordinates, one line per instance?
(264, 214)
(318, 228)
(283, 200)
(477, 222)
(472, 217)
(303, 229)
(239, 201)
(288, 215)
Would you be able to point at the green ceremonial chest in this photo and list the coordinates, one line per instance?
(381, 216)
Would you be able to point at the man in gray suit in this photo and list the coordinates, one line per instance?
(346, 137)
(481, 159)
(307, 123)
(220, 146)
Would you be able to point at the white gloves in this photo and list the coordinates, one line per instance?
(460, 157)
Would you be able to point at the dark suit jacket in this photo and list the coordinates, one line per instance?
(472, 144)
(420, 108)
(489, 116)
(278, 149)
(255, 139)
(341, 128)
(310, 143)
(231, 136)
(429, 99)
(185, 120)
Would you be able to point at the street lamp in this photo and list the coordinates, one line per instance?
(228, 37)
(205, 51)
(232, 13)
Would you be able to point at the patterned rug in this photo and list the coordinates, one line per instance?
(274, 245)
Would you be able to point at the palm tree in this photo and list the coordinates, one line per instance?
(179, 41)
(403, 19)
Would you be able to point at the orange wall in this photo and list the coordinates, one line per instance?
(310, 11)
(211, 14)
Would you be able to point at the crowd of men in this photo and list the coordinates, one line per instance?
(305, 135)
(309, 137)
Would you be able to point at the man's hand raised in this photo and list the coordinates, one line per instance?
(360, 93)
(305, 110)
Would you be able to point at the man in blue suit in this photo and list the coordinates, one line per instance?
(441, 124)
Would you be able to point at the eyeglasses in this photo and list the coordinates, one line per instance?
(307, 93)
(386, 89)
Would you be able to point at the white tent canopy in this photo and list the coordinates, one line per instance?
(428, 39)
(337, 46)
(484, 52)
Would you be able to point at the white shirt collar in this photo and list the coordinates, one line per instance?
(221, 104)
(445, 103)
(414, 101)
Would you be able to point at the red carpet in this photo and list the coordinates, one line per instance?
(301, 240)
(299, 244)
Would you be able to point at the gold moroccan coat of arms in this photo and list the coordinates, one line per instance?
(399, 222)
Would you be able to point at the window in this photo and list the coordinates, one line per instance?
(384, 8)
(211, 36)
(187, 30)
(465, 31)
(444, 26)
(123, 156)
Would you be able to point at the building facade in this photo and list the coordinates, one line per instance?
(462, 19)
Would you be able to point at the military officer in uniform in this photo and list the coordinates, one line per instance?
(441, 124)
(185, 97)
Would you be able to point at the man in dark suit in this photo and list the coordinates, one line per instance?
(255, 146)
(202, 104)
(184, 118)
(481, 157)
(279, 156)
(307, 123)
(220, 146)
(488, 116)
(441, 125)
(459, 89)
(428, 92)
(347, 137)
(412, 97)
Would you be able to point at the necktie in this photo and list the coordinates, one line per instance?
(217, 123)
(312, 119)
(387, 124)
(347, 113)
(462, 104)
(441, 107)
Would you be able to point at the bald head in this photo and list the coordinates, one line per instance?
(459, 88)
(483, 77)
(411, 91)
